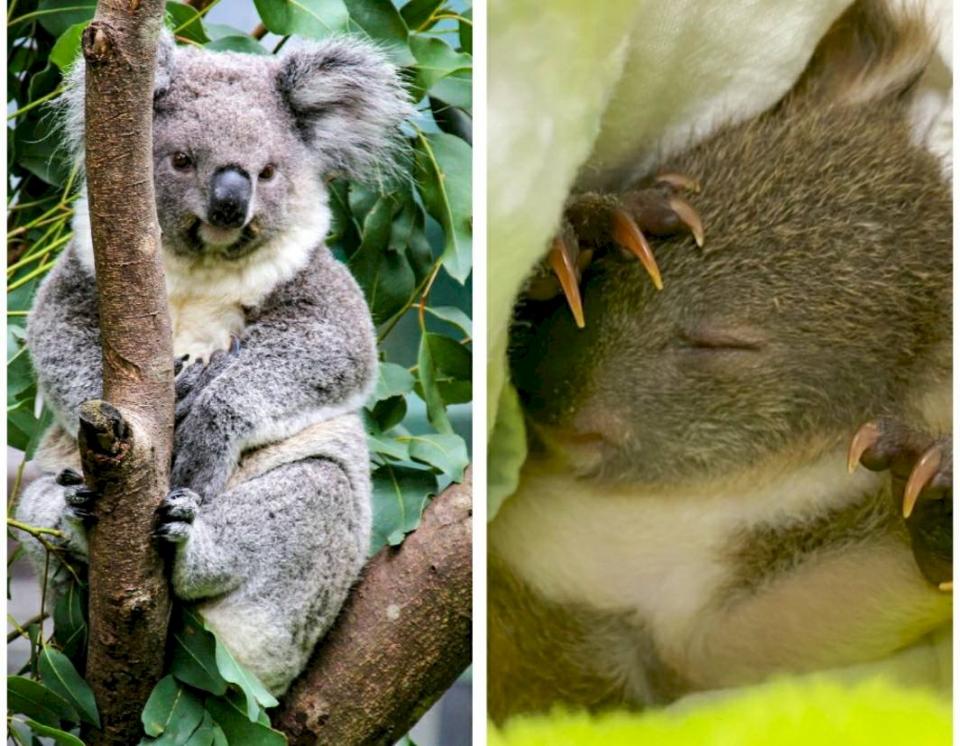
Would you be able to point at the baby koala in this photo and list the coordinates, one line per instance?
(270, 510)
(743, 332)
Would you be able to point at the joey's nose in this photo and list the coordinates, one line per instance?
(230, 191)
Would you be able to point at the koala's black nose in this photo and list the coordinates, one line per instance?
(230, 191)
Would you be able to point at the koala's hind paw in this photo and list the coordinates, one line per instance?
(176, 514)
(80, 500)
(592, 221)
(921, 473)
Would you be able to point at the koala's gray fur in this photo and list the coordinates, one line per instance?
(269, 512)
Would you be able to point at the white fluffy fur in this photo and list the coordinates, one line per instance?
(206, 297)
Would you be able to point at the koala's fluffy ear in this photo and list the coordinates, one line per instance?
(72, 101)
(347, 102)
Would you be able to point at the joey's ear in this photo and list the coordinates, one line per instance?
(347, 102)
(71, 103)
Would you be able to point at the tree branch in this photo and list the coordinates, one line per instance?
(126, 444)
(399, 643)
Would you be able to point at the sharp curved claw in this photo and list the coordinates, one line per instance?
(565, 269)
(627, 234)
(866, 437)
(689, 217)
(924, 470)
(679, 181)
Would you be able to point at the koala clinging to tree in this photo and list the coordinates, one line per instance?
(270, 511)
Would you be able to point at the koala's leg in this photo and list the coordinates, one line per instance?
(275, 556)
(55, 502)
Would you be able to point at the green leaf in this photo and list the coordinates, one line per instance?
(69, 623)
(20, 732)
(237, 43)
(444, 182)
(392, 380)
(60, 15)
(436, 60)
(382, 22)
(238, 728)
(389, 412)
(186, 22)
(453, 315)
(205, 734)
(256, 693)
(38, 702)
(448, 453)
(59, 736)
(387, 446)
(67, 47)
(417, 12)
(194, 656)
(58, 673)
(465, 31)
(400, 494)
(316, 19)
(452, 370)
(171, 710)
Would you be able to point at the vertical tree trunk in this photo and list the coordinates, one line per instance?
(400, 641)
(126, 443)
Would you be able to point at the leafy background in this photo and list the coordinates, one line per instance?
(408, 243)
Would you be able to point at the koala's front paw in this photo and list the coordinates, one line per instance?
(921, 474)
(193, 378)
(80, 500)
(176, 514)
(593, 221)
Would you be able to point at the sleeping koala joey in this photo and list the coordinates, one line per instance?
(269, 514)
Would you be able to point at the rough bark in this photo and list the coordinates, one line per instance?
(126, 443)
(399, 643)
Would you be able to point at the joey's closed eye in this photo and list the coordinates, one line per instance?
(717, 337)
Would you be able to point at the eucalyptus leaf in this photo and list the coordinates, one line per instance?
(417, 13)
(59, 15)
(399, 496)
(453, 315)
(69, 622)
(436, 59)
(59, 674)
(451, 371)
(392, 380)
(444, 182)
(67, 47)
(254, 691)
(186, 23)
(448, 453)
(194, 658)
(60, 737)
(38, 702)
(316, 19)
(389, 412)
(237, 43)
(171, 710)
(382, 22)
(239, 729)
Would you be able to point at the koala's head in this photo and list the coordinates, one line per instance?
(242, 143)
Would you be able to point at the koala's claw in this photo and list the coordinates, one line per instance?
(921, 472)
(176, 514)
(593, 220)
(79, 498)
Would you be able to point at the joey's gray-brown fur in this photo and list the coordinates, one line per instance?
(686, 520)
(269, 514)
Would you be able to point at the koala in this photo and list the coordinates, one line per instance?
(740, 422)
(269, 516)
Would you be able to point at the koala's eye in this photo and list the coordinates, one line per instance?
(182, 161)
(268, 172)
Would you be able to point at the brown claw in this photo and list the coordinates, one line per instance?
(679, 181)
(689, 217)
(627, 234)
(925, 470)
(565, 269)
(865, 438)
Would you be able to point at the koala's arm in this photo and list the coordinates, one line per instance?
(307, 353)
(63, 336)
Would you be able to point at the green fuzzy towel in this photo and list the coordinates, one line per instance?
(782, 714)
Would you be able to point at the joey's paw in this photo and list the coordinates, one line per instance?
(594, 221)
(921, 474)
(176, 514)
(80, 500)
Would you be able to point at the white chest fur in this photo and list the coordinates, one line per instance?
(660, 555)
